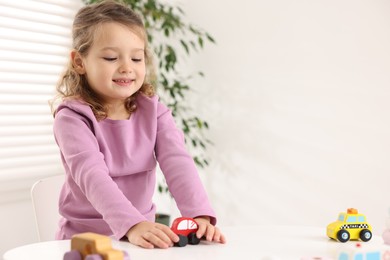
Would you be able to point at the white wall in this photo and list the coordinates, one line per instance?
(297, 96)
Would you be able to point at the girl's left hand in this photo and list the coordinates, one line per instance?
(209, 231)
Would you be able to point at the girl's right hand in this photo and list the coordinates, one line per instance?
(150, 235)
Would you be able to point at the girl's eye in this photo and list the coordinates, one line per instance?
(109, 59)
(136, 60)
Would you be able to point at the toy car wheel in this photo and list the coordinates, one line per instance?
(365, 235)
(94, 257)
(72, 255)
(343, 236)
(183, 241)
(193, 239)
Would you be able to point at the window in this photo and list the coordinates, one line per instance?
(351, 219)
(182, 225)
(361, 219)
(35, 38)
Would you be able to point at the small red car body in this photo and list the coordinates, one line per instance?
(186, 229)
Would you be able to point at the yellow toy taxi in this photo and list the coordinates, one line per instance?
(350, 225)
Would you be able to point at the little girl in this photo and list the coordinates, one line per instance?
(111, 129)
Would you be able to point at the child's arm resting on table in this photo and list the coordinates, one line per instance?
(150, 235)
(209, 231)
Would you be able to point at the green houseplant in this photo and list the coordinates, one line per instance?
(174, 40)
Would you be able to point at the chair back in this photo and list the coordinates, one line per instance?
(45, 194)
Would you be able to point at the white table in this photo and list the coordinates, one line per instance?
(244, 243)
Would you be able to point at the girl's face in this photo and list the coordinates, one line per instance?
(115, 64)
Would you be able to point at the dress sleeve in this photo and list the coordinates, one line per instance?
(179, 168)
(80, 151)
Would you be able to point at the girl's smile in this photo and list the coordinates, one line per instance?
(123, 82)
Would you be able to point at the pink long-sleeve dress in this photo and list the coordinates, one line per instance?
(110, 168)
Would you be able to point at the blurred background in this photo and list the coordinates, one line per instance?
(296, 94)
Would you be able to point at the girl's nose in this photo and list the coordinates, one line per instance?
(125, 67)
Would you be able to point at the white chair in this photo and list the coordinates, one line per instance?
(45, 194)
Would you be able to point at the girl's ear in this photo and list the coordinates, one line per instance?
(77, 62)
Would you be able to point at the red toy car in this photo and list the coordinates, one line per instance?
(186, 229)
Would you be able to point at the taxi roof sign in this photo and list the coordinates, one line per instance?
(352, 211)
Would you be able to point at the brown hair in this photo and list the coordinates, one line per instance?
(87, 21)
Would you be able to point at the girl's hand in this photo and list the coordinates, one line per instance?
(210, 232)
(149, 235)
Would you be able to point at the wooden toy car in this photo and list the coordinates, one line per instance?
(91, 246)
(350, 225)
(186, 229)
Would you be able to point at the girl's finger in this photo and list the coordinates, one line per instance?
(222, 239)
(155, 240)
(169, 233)
(201, 231)
(217, 235)
(163, 236)
(210, 232)
(144, 243)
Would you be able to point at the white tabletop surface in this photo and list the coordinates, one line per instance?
(244, 243)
